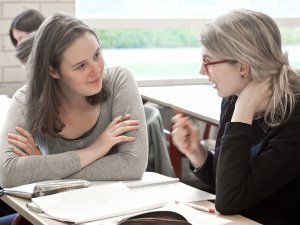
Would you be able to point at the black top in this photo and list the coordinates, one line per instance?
(256, 169)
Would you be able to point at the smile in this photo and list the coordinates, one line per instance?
(94, 81)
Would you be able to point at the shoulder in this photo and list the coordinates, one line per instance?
(20, 95)
(118, 74)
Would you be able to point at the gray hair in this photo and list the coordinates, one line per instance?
(254, 38)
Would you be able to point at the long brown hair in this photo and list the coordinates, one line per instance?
(54, 36)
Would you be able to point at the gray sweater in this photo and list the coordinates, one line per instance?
(126, 160)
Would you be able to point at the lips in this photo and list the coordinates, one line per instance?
(213, 83)
(94, 81)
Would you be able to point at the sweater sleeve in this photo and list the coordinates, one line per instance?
(15, 170)
(243, 181)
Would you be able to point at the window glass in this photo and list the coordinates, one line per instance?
(161, 47)
(180, 8)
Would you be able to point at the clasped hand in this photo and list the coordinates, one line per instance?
(23, 142)
(25, 145)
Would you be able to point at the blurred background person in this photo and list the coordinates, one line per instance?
(25, 23)
(24, 47)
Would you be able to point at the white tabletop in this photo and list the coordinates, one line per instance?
(200, 101)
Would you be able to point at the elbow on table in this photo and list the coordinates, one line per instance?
(228, 207)
(138, 169)
(6, 178)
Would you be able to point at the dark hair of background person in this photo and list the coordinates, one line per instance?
(27, 21)
(24, 47)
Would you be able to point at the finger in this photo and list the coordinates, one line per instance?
(176, 118)
(124, 124)
(124, 138)
(178, 111)
(119, 119)
(27, 148)
(19, 152)
(25, 133)
(125, 129)
(21, 139)
(17, 137)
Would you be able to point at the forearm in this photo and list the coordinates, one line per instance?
(22, 170)
(233, 178)
(117, 166)
(128, 161)
(205, 173)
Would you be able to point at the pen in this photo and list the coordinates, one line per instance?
(198, 207)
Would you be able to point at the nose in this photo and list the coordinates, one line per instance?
(202, 70)
(95, 67)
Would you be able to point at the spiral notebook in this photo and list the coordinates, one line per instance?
(167, 188)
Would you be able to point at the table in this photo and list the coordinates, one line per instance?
(19, 205)
(200, 101)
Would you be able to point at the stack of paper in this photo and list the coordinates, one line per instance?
(94, 203)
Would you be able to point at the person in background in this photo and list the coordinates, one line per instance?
(23, 24)
(255, 169)
(24, 47)
(67, 122)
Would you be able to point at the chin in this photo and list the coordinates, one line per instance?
(224, 95)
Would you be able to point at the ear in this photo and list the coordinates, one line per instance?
(53, 73)
(244, 70)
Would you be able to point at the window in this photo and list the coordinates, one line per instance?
(158, 39)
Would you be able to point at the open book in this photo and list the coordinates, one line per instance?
(94, 203)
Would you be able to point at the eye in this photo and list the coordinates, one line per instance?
(97, 54)
(80, 66)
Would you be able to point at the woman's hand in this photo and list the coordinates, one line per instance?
(113, 134)
(185, 135)
(24, 143)
(253, 99)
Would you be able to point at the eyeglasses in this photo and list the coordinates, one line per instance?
(206, 64)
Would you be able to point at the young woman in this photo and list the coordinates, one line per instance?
(255, 169)
(23, 24)
(67, 122)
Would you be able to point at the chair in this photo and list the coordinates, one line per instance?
(159, 158)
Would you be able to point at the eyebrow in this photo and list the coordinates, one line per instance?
(78, 63)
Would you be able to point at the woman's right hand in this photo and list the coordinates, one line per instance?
(113, 134)
(185, 135)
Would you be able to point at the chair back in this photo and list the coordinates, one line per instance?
(159, 157)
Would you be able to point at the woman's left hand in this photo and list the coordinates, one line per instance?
(253, 99)
(24, 143)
